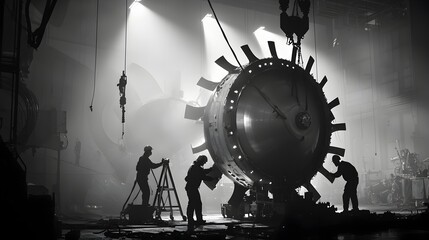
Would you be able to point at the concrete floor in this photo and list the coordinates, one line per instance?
(218, 227)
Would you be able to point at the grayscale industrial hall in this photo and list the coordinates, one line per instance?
(214, 119)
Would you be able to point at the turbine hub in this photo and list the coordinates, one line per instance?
(268, 122)
(303, 120)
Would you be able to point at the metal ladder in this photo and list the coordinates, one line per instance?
(166, 184)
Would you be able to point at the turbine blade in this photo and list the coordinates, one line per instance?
(331, 116)
(311, 189)
(207, 84)
(223, 63)
(309, 64)
(272, 47)
(336, 151)
(249, 54)
(338, 127)
(334, 103)
(199, 148)
(323, 82)
(326, 174)
(194, 113)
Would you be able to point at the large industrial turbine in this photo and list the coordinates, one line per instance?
(268, 122)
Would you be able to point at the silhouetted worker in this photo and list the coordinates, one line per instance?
(144, 165)
(196, 174)
(350, 175)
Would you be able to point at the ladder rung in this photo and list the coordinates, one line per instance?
(168, 210)
(169, 207)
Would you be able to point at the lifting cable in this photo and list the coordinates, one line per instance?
(373, 83)
(125, 66)
(126, 36)
(123, 79)
(224, 35)
(95, 58)
(315, 42)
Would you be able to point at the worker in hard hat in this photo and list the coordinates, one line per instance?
(350, 175)
(144, 165)
(196, 174)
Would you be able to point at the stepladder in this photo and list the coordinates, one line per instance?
(165, 192)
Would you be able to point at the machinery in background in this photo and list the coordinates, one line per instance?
(408, 164)
(408, 184)
(32, 215)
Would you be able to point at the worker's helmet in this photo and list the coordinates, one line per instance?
(201, 159)
(336, 159)
(148, 148)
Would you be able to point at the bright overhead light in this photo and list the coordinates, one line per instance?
(259, 29)
(208, 16)
(135, 2)
(263, 35)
